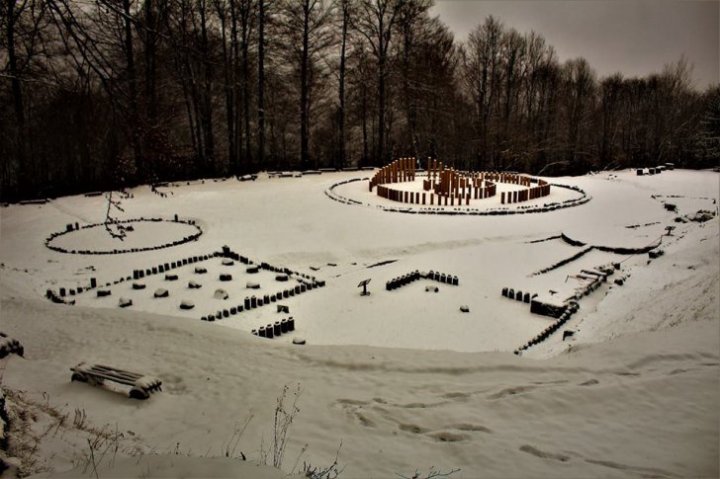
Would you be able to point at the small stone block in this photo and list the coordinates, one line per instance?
(161, 293)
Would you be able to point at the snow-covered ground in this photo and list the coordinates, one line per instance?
(402, 378)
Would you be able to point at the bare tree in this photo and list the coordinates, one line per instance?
(483, 76)
(262, 5)
(307, 28)
(345, 10)
(226, 13)
(11, 14)
(376, 23)
(407, 22)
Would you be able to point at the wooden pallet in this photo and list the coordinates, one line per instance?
(141, 386)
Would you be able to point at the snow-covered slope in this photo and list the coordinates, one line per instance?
(633, 393)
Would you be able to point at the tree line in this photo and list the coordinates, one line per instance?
(99, 94)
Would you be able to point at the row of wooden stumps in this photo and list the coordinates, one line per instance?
(452, 187)
(275, 329)
(449, 182)
(406, 279)
(252, 302)
(518, 295)
(509, 197)
(400, 170)
(418, 198)
(569, 310)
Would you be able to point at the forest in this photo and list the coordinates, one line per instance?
(104, 94)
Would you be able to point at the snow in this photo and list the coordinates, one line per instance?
(402, 378)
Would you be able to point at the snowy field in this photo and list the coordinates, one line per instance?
(403, 378)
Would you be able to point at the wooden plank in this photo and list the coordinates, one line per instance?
(113, 374)
(117, 371)
(105, 375)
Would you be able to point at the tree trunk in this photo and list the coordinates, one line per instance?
(235, 54)
(245, 25)
(134, 126)
(229, 89)
(206, 106)
(304, 106)
(341, 91)
(380, 155)
(364, 124)
(150, 61)
(19, 109)
(409, 103)
(261, 84)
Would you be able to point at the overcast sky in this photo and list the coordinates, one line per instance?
(633, 37)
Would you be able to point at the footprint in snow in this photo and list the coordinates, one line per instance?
(544, 454)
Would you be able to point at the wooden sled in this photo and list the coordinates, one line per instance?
(141, 386)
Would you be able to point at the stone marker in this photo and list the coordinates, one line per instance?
(161, 293)
(185, 304)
